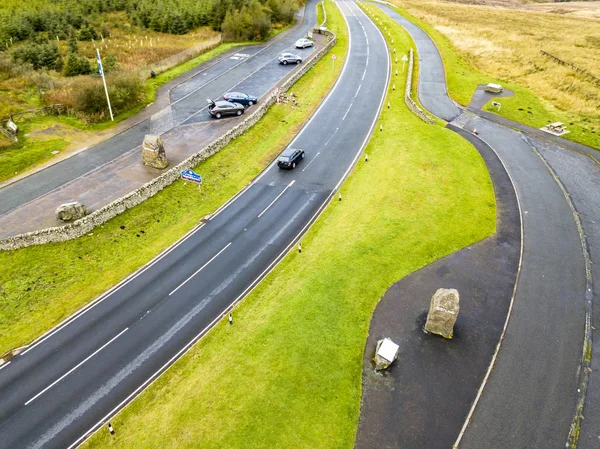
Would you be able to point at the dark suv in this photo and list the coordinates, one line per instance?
(290, 157)
(220, 108)
(241, 98)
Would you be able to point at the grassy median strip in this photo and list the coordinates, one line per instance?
(287, 374)
(41, 285)
(525, 107)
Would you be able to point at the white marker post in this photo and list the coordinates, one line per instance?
(333, 58)
(404, 59)
(101, 71)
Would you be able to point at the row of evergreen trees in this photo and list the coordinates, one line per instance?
(46, 55)
(22, 20)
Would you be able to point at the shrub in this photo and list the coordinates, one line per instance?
(249, 23)
(39, 55)
(77, 65)
(87, 33)
(125, 91)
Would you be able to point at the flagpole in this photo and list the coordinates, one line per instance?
(104, 81)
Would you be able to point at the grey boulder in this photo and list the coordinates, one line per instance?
(70, 211)
(443, 312)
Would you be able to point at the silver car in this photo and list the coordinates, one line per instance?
(303, 43)
(289, 58)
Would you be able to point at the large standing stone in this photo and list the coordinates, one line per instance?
(443, 312)
(70, 211)
(386, 352)
(153, 152)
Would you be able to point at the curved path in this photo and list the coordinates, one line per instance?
(113, 168)
(69, 382)
(530, 397)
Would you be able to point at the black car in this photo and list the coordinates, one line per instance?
(220, 108)
(290, 157)
(241, 98)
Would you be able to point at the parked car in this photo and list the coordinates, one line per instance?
(241, 98)
(303, 43)
(289, 58)
(290, 157)
(220, 108)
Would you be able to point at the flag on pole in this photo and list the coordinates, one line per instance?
(100, 71)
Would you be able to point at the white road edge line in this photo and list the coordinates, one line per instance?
(311, 161)
(276, 198)
(73, 369)
(5, 365)
(201, 268)
(508, 314)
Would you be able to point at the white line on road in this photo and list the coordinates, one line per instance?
(5, 365)
(73, 369)
(349, 107)
(277, 197)
(329, 140)
(311, 161)
(200, 269)
(359, 86)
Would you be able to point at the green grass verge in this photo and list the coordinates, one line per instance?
(525, 107)
(288, 372)
(320, 15)
(41, 285)
(16, 159)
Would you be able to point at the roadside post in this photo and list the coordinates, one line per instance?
(333, 58)
(404, 59)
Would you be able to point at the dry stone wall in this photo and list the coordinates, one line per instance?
(151, 188)
(407, 97)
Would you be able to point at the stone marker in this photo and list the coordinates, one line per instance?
(385, 354)
(443, 312)
(153, 152)
(12, 127)
(70, 211)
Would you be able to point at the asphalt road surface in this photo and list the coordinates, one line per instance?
(71, 380)
(254, 69)
(529, 400)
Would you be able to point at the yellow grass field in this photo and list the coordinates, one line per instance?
(503, 39)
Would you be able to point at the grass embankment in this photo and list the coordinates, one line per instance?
(320, 15)
(288, 372)
(481, 44)
(41, 285)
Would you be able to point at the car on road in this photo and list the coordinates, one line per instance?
(289, 58)
(241, 98)
(220, 108)
(303, 43)
(290, 158)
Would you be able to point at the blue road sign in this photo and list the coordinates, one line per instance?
(190, 175)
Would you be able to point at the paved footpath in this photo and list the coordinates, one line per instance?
(113, 168)
(530, 397)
